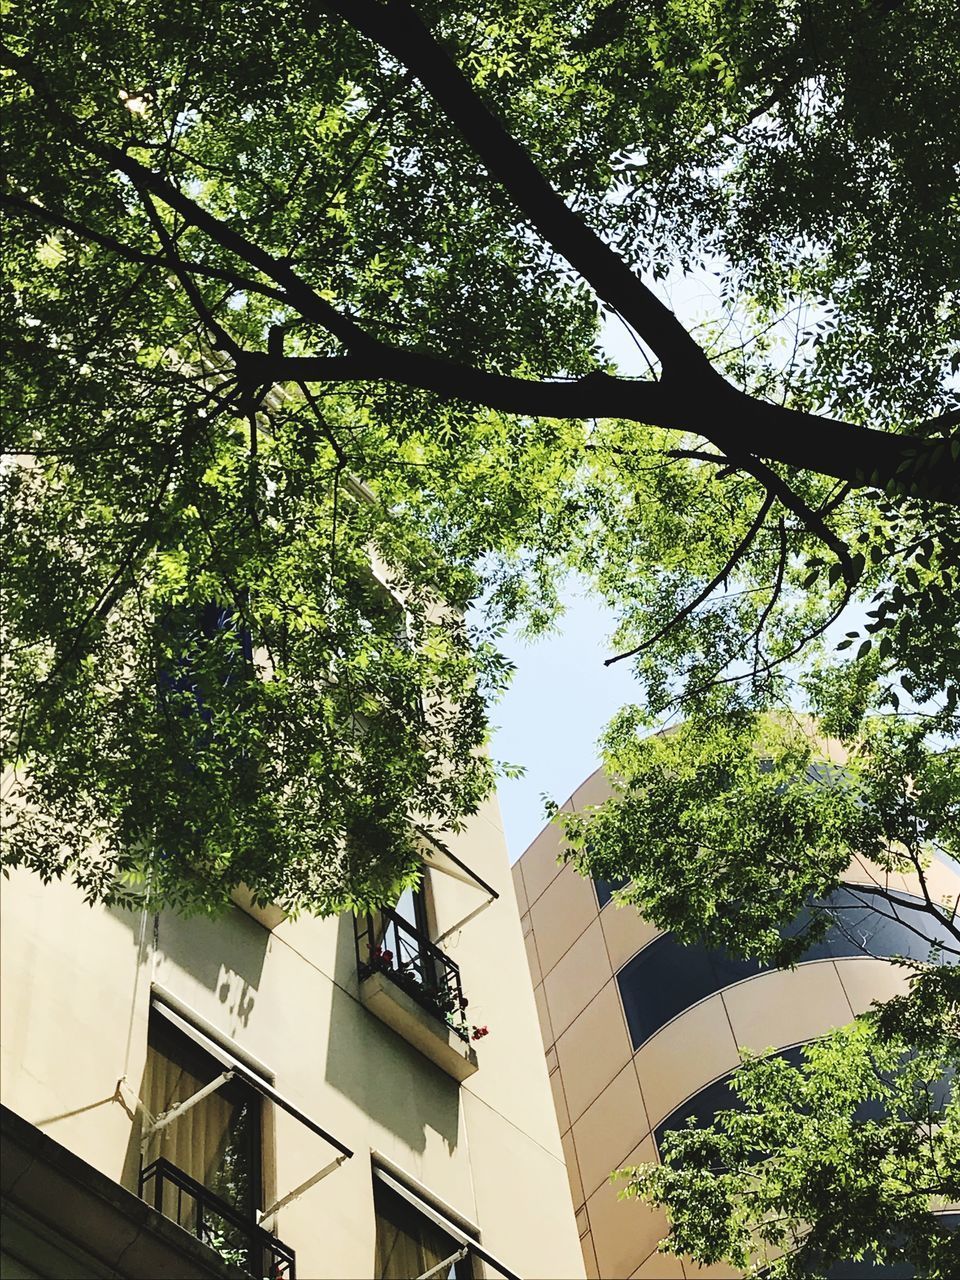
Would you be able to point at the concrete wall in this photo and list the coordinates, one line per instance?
(76, 991)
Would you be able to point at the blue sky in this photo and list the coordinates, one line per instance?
(551, 717)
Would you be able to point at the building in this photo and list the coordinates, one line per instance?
(641, 1032)
(256, 1095)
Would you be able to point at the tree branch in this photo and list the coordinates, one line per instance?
(810, 519)
(398, 28)
(30, 207)
(729, 419)
(732, 561)
(691, 393)
(221, 339)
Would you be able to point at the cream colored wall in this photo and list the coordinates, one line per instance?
(73, 990)
(609, 1098)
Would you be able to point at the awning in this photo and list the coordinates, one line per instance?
(441, 1221)
(242, 1071)
(438, 850)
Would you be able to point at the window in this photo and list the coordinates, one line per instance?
(396, 943)
(410, 1245)
(668, 976)
(417, 1240)
(412, 907)
(215, 1144)
(606, 889)
(208, 650)
(201, 1154)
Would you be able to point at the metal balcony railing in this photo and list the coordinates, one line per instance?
(388, 944)
(225, 1229)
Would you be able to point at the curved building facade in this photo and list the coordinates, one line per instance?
(641, 1031)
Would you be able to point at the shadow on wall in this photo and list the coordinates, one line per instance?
(383, 1076)
(225, 954)
(228, 961)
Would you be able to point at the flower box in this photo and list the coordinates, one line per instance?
(425, 1031)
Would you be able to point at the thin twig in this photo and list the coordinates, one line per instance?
(731, 563)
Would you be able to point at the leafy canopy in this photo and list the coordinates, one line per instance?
(255, 252)
(305, 307)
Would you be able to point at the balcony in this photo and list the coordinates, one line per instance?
(415, 988)
(217, 1224)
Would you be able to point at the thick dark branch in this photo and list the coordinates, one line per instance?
(743, 428)
(594, 395)
(398, 29)
(692, 398)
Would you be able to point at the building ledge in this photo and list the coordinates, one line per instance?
(268, 914)
(62, 1217)
(433, 1038)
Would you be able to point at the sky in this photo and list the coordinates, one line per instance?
(552, 714)
(562, 696)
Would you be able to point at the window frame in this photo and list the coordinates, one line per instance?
(443, 1216)
(194, 1057)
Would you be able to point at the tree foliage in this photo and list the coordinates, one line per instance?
(305, 311)
(252, 253)
(840, 1157)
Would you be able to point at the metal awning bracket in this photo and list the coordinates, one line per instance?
(174, 1113)
(441, 1268)
(297, 1192)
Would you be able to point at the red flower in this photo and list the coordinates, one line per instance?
(479, 1032)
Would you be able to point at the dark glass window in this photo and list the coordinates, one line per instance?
(606, 889)
(668, 976)
(718, 1096)
(209, 647)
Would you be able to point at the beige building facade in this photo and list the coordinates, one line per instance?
(256, 1095)
(640, 1032)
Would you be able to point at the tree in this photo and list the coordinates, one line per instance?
(838, 1158)
(298, 289)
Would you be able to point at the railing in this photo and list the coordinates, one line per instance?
(225, 1229)
(388, 944)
